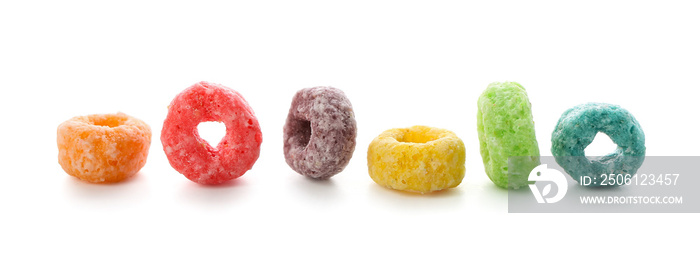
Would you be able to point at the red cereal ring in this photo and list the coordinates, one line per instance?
(191, 155)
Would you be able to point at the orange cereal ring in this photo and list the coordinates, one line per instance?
(103, 147)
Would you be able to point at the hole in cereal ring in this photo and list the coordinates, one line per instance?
(602, 145)
(212, 132)
(107, 120)
(303, 128)
(417, 136)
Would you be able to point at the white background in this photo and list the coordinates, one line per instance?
(401, 63)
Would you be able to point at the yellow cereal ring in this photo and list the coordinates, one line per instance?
(103, 148)
(416, 159)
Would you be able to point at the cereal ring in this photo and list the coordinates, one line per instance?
(191, 155)
(577, 128)
(319, 135)
(417, 159)
(103, 147)
(506, 130)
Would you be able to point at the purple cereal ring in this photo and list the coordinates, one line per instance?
(319, 135)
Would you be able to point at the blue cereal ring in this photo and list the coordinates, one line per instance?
(577, 128)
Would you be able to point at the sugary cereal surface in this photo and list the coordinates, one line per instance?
(577, 128)
(191, 155)
(506, 129)
(103, 147)
(417, 159)
(320, 131)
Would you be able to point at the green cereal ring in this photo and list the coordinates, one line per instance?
(506, 129)
(577, 128)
